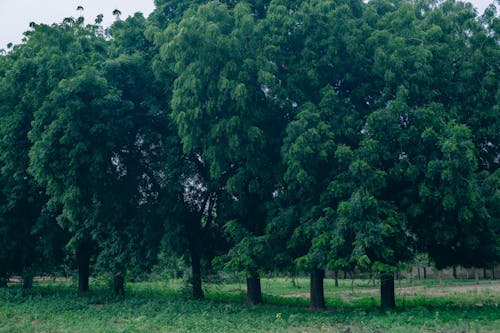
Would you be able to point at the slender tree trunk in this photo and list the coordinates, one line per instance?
(196, 273)
(194, 239)
(454, 272)
(294, 282)
(387, 296)
(493, 273)
(418, 272)
(485, 275)
(3, 281)
(317, 293)
(83, 261)
(425, 273)
(254, 292)
(27, 279)
(119, 284)
(336, 279)
(345, 275)
(476, 275)
(440, 278)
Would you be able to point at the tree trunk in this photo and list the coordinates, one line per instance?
(485, 275)
(387, 297)
(336, 279)
(454, 272)
(254, 292)
(425, 273)
(196, 273)
(294, 282)
(317, 291)
(83, 261)
(493, 273)
(476, 275)
(119, 284)
(27, 279)
(3, 281)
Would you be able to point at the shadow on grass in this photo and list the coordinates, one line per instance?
(100, 294)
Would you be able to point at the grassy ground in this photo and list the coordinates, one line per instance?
(424, 306)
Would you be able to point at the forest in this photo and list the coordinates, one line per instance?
(252, 137)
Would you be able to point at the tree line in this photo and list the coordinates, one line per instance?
(253, 136)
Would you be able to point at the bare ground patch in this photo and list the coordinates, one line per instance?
(348, 295)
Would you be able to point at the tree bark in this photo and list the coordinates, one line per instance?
(254, 292)
(196, 273)
(3, 281)
(336, 279)
(194, 239)
(454, 272)
(387, 297)
(476, 276)
(27, 279)
(485, 275)
(119, 284)
(83, 261)
(317, 294)
(425, 273)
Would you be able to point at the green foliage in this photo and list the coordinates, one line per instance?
(274, 135)
(153, 306)
(35, 68)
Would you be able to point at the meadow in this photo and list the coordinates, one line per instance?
(423, 306)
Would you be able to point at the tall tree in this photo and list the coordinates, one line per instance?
(74, 134)
(225, 120)
(49, 54)
(320, 83)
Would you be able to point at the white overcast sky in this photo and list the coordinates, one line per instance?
(15, 15)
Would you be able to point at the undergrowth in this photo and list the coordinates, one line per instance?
(160, 307)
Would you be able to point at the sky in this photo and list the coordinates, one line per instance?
(15, 15)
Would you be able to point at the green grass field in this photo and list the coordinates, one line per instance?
(424, 306)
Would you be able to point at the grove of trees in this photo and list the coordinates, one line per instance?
(253, 136)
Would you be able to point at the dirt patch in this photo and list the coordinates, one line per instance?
(446, 290)
(348, 295)
(297, 295)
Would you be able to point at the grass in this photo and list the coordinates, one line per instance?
(457, 306)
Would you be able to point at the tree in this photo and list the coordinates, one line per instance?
(35, 69)
(464, 231)
(317, 81)
(227, 103)
(183, 195)
(423, 114)
(74, 134)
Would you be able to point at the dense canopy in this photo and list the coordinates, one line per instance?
(253, 137)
